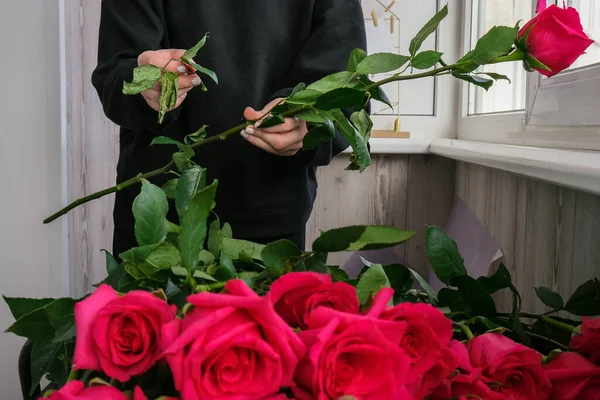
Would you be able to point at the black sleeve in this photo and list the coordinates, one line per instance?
(338, 27)
(127, 29)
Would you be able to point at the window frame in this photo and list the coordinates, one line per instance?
(538, 125)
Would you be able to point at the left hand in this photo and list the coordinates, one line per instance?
(282, 140)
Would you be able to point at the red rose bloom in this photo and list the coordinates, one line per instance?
(588, 343)
(231, 346)
(426, 335)
(573, 378)
(119, 335)
(76, 390)
(556, 38)
(509, 368)
(297, 294)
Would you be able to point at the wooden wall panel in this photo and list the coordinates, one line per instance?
(550, 236)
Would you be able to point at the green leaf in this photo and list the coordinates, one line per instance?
(175, 294)
(48, 359)
(182, 158)
(429, 28)
(549, 297)
(203, 275)
(362, 121)
(356, 56)
(379, 94)
(500, 280)
(331, 82)
(22, 306)
(357, 238)
(399, 277)
(381, 62)
(299, 87)
(192, 52)
(144, 77)
(497, 42)
(216, 235)
(476, 80)
(495, 76)
(164, 256)
(362, 158)
(191, 181)
(341, 98)
(170, 86)
(225, 271)
(169, 188)
(443, 255)
(338, 274)
(276, 257)
(475, 295)
(165, 140)
(585, 301)
(319, 135)
(150, 209)
(272, 120)
(196, 136)
(426, 59)
(193, 227)
(310, 115)
(371, 282)
(305, 97)
(41, 324)
(426, 287)
(114, 271)
(203, 70)
(138, 255)
(179, 271)
(233, 249)
(206, 258)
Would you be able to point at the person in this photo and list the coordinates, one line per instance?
(260, 50)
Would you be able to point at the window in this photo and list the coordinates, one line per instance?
(534, 110)
(503, 96)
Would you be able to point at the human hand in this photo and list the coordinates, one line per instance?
(187, 76)
(282, 140)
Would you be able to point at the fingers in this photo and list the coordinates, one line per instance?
(288, 125)
(270, 147)
(189, 81)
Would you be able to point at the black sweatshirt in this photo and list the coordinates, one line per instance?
(260, 49)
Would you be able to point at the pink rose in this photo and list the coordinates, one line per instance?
(466, 386)
(434, 376)
(426, 335)
(76, 390)
(588, 343)
(138, 394)
(231, 346)
(510, 368)
(119, 335)
(556, 38)
(573, 378)
(353, 355)
(297, 294)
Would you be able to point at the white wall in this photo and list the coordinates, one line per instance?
(32, 261)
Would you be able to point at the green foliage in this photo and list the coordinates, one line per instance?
(361, 158)
(191, 181)
(150, 211)
(193, 226)
(168, 95)
(371, 282)
(497, 42)
(319, 135)
(279, 257)
(443, 255)
(380, 63)
(426, 59)
(341, 98)
(356, 238)
(356, 56)
(429, 28)
(550, 298)
(144, 77)
(585, 301)
(42, 323)
(476, 80)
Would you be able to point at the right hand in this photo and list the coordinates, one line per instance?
(188, 79)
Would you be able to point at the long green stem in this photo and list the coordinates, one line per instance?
(222, 136)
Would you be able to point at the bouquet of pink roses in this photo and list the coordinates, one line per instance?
(192, 313)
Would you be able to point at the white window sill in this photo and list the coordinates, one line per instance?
(577, 169)
(398, 146)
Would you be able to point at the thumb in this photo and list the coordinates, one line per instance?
(251, 114)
